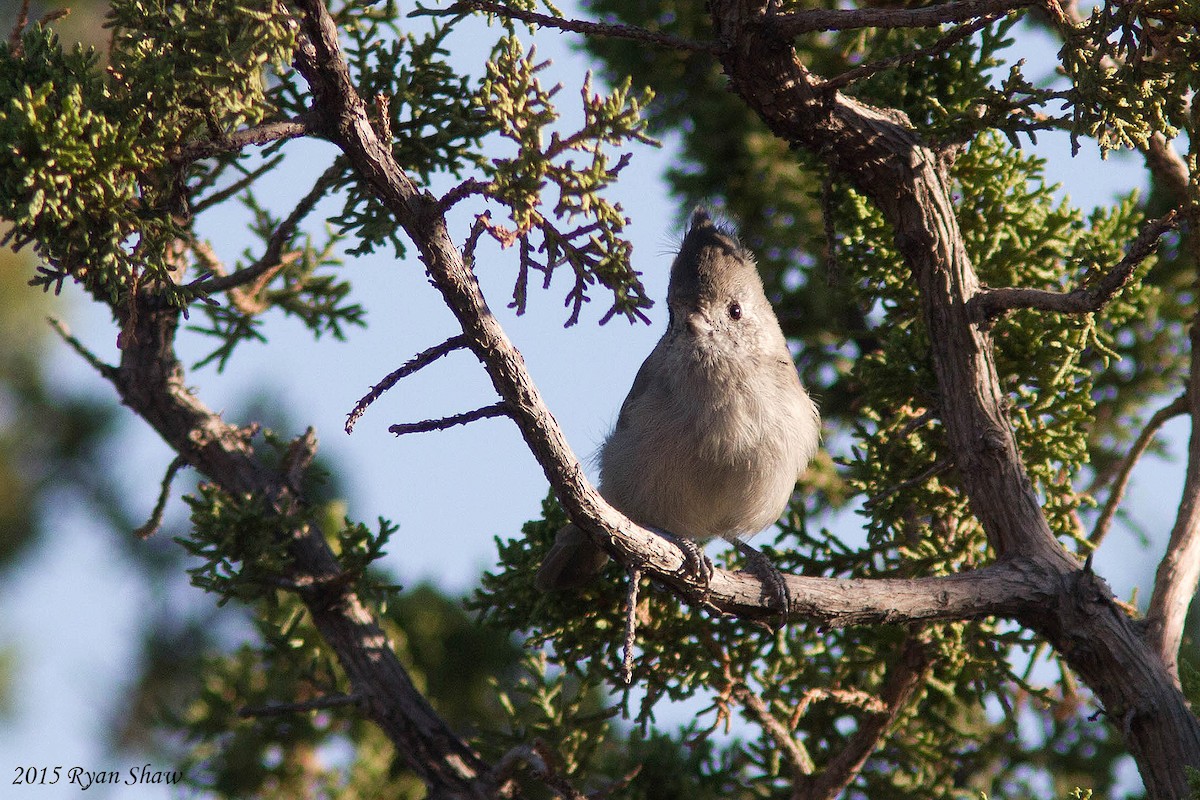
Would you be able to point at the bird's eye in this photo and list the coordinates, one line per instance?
(735, 310)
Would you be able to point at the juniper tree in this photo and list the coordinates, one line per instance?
(993, 362)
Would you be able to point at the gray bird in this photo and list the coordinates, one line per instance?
(717, 426)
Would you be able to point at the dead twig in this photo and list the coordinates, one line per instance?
(419, 361)
(499, 409)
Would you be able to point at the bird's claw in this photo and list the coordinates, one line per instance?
(772, 577)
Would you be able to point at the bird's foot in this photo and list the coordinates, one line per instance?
(772, 577)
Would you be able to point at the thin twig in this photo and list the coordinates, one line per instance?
(419, 361)
(272, 257)
(990, 303)
(937, 48)
(903, 681)
(608, 30)
(287, 709)
(468, 188)
(14, 36)
(793, 750)
(936, 468)
(108, 371)
(820, 19)
(242, 183)
(1176, 407)
(499, 409)
(155, 522)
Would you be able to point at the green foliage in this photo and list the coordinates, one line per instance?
(518, 108)
(1133, 70)
(86, 164)
(70, 169)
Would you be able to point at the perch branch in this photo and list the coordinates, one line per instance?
(990, 303)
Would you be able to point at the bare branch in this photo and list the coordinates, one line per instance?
(242, 183)
(155, 522)
(266, 133)
(288, 709)
(988, 303)
(106, 370)
(820, 19)
(419, 361)
(608, 30)
(425, 426)
(1176, 407)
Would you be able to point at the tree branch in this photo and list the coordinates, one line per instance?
(937, 48)
(990, 303)
(604, 29)
(441, 424)
(820, 19)
(273, 256)
(266, 133)
(151, 381)
(795, 752)
(1179, 571)
(905, 677)
(417, 362)
(1176, 407)
(287, 709)
(884, 159)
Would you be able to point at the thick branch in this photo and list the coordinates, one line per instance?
(989, 303)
